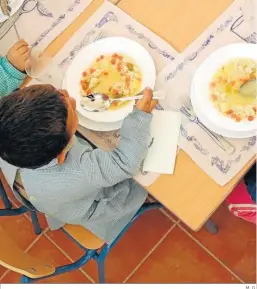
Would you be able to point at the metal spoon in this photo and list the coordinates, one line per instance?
(98, 102)
(249, 88)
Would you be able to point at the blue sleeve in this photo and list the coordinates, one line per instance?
(10, 77)
(106, 169)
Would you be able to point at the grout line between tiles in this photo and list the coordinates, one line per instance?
(5, 273)
(28, 218)
(150, 252)
(60, 249)
(168, 215)
(13, 203)
(87, 275)
(151, 199)
(69, 258)
(211, 254)
(35, 241)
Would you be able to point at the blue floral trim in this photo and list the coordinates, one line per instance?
(151, 44)
(222, 166)
(194, 141)
(55, 23)
(108, 17)
(85, 41)
(251, 143)
(208, 40)
(111, 17)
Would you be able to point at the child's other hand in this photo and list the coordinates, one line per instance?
(18, 55)
(147, 104)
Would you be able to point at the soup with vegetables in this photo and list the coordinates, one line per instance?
(225, 89)
(114, 75)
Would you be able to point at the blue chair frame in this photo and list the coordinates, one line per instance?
(9, 211)
(3, 195)
(98, 256)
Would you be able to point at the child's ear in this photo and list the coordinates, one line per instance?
(61, 157)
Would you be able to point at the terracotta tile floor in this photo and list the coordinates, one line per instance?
(157, 248)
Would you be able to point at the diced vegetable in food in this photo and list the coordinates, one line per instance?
(225, 89)
(114, 75)
(130, 66)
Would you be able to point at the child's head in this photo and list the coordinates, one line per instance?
(36, 125)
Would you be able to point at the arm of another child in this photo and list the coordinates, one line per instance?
(106, 169)
(12, 67)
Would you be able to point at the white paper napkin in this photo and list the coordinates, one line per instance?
(164, 134)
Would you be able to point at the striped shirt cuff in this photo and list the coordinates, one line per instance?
(141, 115)
(136, 118)
(9, 68)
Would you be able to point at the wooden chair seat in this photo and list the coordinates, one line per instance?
(15, 259)
(84, 237)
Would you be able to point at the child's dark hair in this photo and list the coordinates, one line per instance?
(33, 126)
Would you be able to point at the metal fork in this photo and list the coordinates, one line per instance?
(222, 142)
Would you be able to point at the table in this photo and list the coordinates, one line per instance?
(190, 194)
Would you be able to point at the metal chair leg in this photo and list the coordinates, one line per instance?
(100, 258)
(146, 207)
(7, 203)
(211, 227)
(25, 279)
(90, 254)
(13, 212)
(35, 222)
(101, 270)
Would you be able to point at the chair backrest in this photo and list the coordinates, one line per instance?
(20, 193)
(15, 259)
(18, 183)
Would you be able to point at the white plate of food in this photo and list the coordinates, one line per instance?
(115, 66)
(215, 93)
(15, 5)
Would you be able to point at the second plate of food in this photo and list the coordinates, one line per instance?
(115, 66)
(216, 95)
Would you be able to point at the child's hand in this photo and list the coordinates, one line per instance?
(18, 55)
(147, 104)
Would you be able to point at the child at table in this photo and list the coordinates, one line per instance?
(12, 67)
(63, 177)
